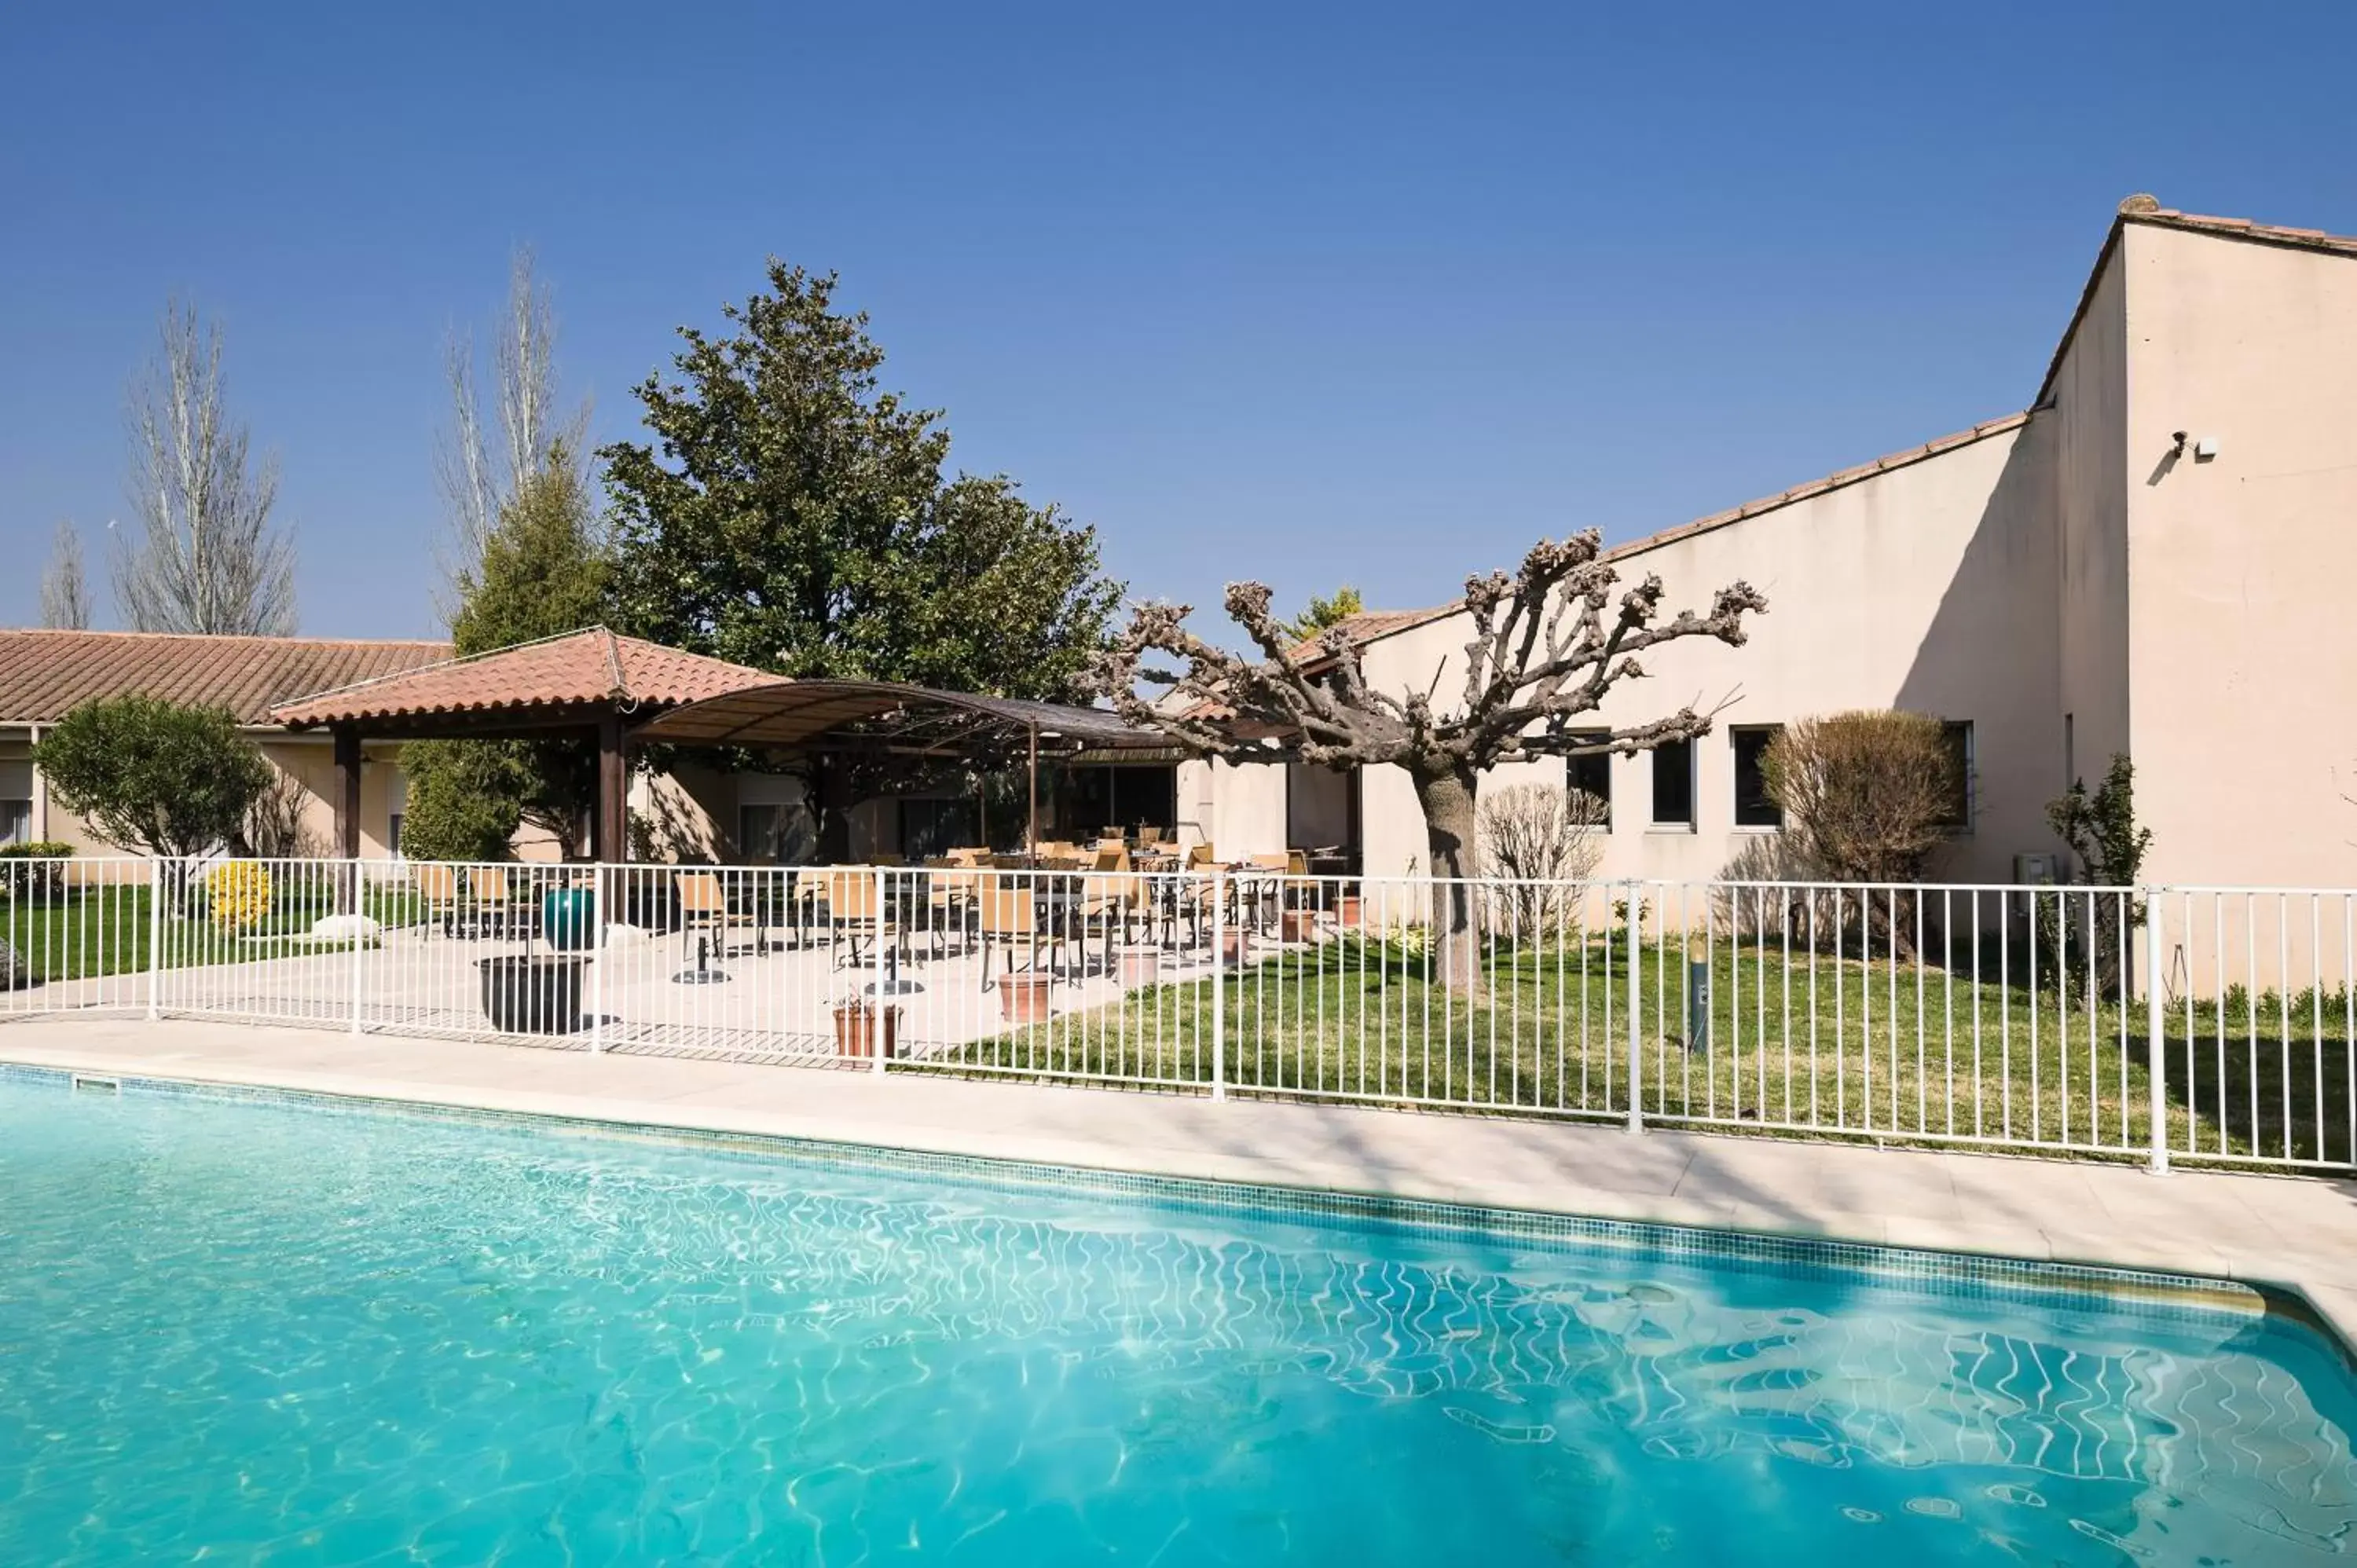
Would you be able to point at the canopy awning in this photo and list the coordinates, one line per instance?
(885, 715)
(623, 691)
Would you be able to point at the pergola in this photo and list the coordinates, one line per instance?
(621, 691)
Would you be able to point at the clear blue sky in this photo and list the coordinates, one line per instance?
(1364, 294)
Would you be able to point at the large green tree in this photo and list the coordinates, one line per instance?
(543, 571)
(154, 775)
(792, 515)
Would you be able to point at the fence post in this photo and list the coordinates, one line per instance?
(599, 954)
(1636, 908)
(2156, 1052)
(878, 1029)
(1219, 984)
(359, 915)
(155, 935)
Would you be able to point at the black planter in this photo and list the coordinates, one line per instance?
(533, 995)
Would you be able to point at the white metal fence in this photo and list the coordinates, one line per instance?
(2149, 1024)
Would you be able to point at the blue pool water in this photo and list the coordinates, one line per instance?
(236, 1332)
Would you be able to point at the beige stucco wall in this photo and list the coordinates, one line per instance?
(1927, 586)
(2244, 664)
(1239, 809)
(310, 761)
(2087, 416)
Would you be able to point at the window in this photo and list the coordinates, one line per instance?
(16, 802)
(1673, 790)
(1753, 806)
(761, 832)
(397, 792)
(1959, 816)
(930, 828)
(1592, 776)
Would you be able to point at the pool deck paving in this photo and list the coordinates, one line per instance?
(2298, 1232)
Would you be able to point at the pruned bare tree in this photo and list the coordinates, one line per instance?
(1547, 840)
(65, 590)
(206, 558)
(1549, 643)
(477, 479)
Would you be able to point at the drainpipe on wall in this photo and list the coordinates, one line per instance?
(41, 794)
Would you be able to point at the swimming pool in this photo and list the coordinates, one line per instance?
(261, 1330)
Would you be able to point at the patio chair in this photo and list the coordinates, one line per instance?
(950, 897)
(1011, 919)
(491, 900)
(853, 912)
(1266, 893)
(1110, 906)
(703, 908)
(1200, 856)
(437, 892)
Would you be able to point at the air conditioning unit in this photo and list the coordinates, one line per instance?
(2031, 871)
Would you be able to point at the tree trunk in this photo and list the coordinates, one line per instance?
(1447, 799)
(832, 776)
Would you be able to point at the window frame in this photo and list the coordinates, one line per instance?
(1602, 761)
(1735, 736)
(746, 849)
(1689, 823)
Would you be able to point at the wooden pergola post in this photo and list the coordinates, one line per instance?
(347, 816)
(609, 832)
(1031, 841)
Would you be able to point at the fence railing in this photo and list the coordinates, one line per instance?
(2149, 1024)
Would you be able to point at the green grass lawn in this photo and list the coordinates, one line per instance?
(102, 930)
(1897, 1049)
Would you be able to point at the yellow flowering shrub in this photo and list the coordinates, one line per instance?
(239, 894)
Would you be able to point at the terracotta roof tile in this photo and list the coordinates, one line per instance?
(579, 668)
(2243, 229)
(2146, 211)
(1802, 492)
(1368, 625)
(46, 674)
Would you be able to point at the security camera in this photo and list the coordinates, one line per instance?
(2179, 437)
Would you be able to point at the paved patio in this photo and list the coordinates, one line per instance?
(2297, 1232)
(769, 998)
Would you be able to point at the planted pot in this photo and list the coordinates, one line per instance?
(1235, 945)
(1300, 925)
(1347, 913)
(1140, 966)
(532, 994)
(854, 1029)
(1023, 998)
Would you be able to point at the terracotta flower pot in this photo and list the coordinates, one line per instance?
(1140, 966)
(1023, 998)
(1235, 945)
(854, 1029)
(1348, 914)
(1300, 925)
